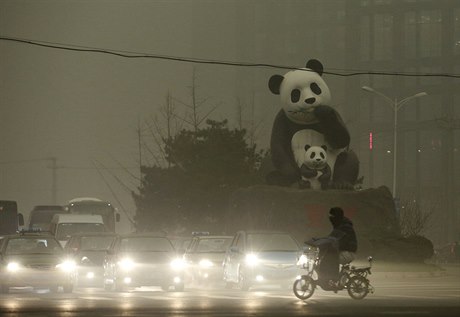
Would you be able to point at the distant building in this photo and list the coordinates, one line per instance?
(408, 37)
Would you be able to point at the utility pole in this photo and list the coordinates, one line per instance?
(140, 151)
(54, 179)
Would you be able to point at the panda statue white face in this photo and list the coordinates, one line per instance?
(300, 91)
(315, 157)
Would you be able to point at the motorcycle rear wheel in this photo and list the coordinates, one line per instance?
(304, 287)
(358, 287)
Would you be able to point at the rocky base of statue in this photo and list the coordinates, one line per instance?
(413, 249)
(304, 212)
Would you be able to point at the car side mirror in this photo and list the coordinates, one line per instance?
(20, 219)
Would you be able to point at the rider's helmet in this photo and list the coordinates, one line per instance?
(336, 215)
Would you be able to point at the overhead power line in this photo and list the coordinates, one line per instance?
(128, 54)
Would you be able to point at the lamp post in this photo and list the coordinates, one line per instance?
(395, 105)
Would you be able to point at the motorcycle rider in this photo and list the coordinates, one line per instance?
(344, 232)
(339, 247)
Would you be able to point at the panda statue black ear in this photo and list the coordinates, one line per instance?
(275, 83)
(324, 147)
(307, 146)
(316, 66)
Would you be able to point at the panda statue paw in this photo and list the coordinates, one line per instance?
(323, 112)
(304, 184)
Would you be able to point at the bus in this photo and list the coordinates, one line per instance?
(10, 219)
(95, 206)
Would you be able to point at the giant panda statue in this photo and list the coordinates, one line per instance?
(307, 117)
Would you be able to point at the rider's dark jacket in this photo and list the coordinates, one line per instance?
(345, 233)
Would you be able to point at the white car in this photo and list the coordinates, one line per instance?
(36, 260)
(260, 258)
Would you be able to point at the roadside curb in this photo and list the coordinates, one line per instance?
(410, 274)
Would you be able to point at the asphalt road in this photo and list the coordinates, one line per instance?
(395, 295)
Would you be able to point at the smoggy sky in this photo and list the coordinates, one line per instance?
(83, 108)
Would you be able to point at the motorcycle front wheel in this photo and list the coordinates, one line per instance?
(358, 287)
(304, 287)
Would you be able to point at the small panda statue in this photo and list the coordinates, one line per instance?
(315, 171)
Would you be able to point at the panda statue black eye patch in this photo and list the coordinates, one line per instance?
(315, 88)
(295, 95)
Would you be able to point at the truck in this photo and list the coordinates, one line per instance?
(41, 215)
(63, 226)
(10, 219)
(95, 206)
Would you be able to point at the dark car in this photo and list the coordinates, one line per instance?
(89, 251)
(36, 260)
(262, 257)
(205, 256)
(145, 259)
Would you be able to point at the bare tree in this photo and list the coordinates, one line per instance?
(250, 123)
(162, 128)
(413, 219)
(194, 116)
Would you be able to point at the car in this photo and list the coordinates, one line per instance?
(261, 257)
(205, 256)
(143, 259)
(89, 251)
(36, 260)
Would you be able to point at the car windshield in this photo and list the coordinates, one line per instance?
(146, 244)
(213, 245)
(32, 246)
(266, 242)
(96, 243)
(66, 230)
(182, 243)
(92, 209)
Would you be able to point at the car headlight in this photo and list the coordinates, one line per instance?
(126, 264)
(67, 266)
(12, 267)
(205, 263)
(251, 259)
(177, 264)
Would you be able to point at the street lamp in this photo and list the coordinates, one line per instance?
(395, 106)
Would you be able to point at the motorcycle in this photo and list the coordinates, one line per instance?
(351, 278)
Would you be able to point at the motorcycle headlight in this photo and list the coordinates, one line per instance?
(205, 263)
(303, 259)
(12, 267)
(67, 266)
(126, 264)
(177, 264)
(251, 259)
